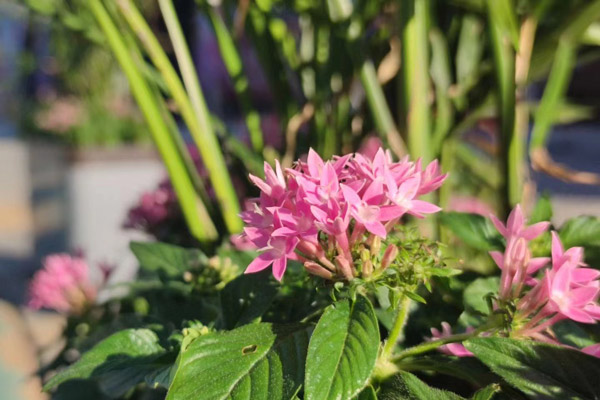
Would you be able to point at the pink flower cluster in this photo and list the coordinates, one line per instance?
(63, 284)
(564, 290)
(319, 210)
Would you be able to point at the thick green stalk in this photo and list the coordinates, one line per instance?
(504, 60)
(195, 213)
(546, 113)
(380, 109)
(415, 63)
(194, 113)
(441, 74)
(233, 64)
(397, 328)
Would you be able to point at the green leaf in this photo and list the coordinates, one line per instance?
(257, 361)
(473, 229)
(474, 296)
(542, 210)
(407, 386)
(166, 258)
(580, 231)
(246, 298)
(367, 393)
(571, 333)
(487, 393)
(342, 351)
(118, 363)
(540, 370)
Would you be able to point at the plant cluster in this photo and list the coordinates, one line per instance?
(350, 282)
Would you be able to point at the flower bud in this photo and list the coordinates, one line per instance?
(391, 252)
(316, 269)
(344, 267)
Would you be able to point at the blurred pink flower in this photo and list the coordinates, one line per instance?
(469, 204)
(63, 284)
(453, 349)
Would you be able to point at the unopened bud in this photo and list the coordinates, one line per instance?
(365, 255)
(316, 269)
(391, 252)
(344, 267)
(367, 268)
(376, 244)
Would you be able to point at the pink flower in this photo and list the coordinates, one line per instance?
(63, 285)
(469, 204)
(515, 226)
(453, 349)
(305, 212)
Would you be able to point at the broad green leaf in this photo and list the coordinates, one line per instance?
(542, 210)
(246, 298)
(118, 363)
(407, 386)
(166, 258)
(257, 361)
(342, 351)
(474, 296)
(540, 370)
(570, 333)
(473, 229)
(580, 231)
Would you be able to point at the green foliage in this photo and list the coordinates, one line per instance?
(342, 350)
(474, 230)
(407, 386)
(119, 362)
(255, 361)
(173, 261)
(540, 370)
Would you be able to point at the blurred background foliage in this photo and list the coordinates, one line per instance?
(477, 84)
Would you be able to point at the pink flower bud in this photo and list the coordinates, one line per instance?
(390, 254)
(344, 267)
(316, 269)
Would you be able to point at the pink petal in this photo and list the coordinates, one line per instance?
(557, 247)
(499, 225)
(593, 350)
(387, 213)
(315, 163)
(423, 207)
(583, 295)
(350, 195)
(584, 275)
(279, 267)
(259, 263)
(498, 258)
(516, 220)
(535, 230)
(537, 263)
(578, 315)
(376, 228)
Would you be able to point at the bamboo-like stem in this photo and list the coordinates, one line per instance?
(504, 60)
(379, 108)
(193, 109)
(415, 62)
(233, 64)
(193, 209)
(397, 329)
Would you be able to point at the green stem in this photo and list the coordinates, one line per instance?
(199, 121)
(397, 328)
(195, 213)
(416, 78)
(233, 64)
(434, 344)
(379, 108)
